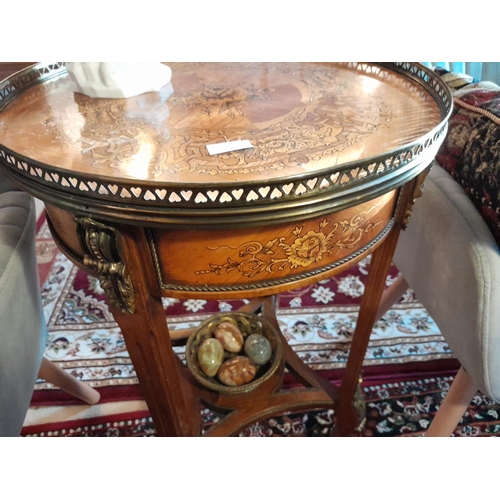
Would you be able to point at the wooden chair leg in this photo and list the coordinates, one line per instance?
(462, 389)
(53, 374)
(454, 405)
(391, 295)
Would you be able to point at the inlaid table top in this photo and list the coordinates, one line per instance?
(314, 128)
(132, 195)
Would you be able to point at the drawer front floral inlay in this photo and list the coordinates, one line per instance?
(300, 249)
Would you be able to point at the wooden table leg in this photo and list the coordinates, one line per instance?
(301, 372)
(346, 414)
(173, 405)
(391, 296)
(137, 307)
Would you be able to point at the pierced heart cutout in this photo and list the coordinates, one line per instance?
(300, 189)
(252, 195)
(225, 198)
(200, 198)
(213, 195)
(161, 193)
(137, 192)
(335, 177)
(237, 193)
(264, 190)
(312, 182)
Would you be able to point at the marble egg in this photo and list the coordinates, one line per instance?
(258, 349)
(237, 371)
(210, 356)
(229, 336)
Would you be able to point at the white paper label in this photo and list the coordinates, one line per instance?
(225, 147)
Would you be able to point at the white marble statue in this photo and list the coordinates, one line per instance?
(117, 80)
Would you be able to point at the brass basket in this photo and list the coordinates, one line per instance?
(248, 324)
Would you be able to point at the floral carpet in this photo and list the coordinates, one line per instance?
(403, 407)
(407, 367)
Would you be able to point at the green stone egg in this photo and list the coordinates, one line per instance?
(210, 356)
(258, 349)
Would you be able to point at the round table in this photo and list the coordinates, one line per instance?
(335, 156)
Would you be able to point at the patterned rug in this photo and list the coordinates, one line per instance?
(403, 407)
(407, 367)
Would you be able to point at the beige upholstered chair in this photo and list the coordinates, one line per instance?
(449, 257)
(22, 325)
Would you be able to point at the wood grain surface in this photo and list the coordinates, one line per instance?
(299, 117)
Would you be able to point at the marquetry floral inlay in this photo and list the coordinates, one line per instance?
(299, 249)
(289, 119)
